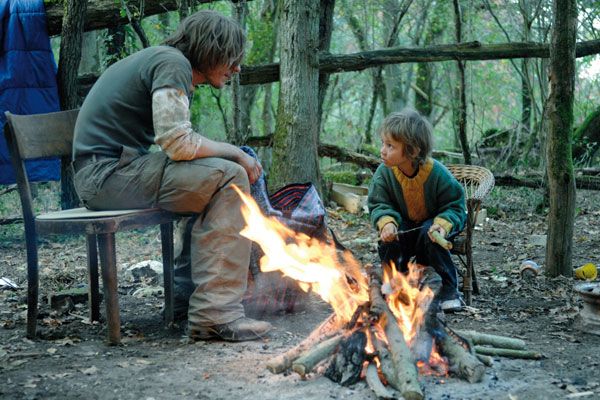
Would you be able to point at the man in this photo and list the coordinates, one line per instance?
(144, 100)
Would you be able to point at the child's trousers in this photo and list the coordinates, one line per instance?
(417, 244)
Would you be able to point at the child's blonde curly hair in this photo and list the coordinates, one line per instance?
(413, 130)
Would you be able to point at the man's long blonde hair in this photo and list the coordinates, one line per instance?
(209, 39)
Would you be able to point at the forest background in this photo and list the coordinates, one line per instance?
(506, 128)
(490, 112)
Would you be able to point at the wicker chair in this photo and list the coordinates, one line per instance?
(477, 182)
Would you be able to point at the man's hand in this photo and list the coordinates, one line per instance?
(436, 228)
(389, 232)
(252, 167)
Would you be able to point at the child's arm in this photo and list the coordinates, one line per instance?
(383, 205)
(451, 206)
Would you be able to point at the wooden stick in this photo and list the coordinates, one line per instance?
(307, 361)
(405, 376)
(492, 340)
(375, 383)
(406, 371)
(282, 362)
(437, 238)
(510, 353)
(462, 363)
(385, 362)
(378, 305)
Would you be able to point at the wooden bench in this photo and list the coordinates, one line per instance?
(477, 182)
(51, 135)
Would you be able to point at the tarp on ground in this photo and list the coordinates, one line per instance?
(27, 78)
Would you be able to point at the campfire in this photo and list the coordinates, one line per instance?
(384, 327)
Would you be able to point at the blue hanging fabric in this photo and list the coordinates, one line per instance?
(27, 78)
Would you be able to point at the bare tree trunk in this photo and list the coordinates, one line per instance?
(183, 8)
(325, 31)
(561, 180)
(238, 133)
(461, 113)
(68, 65)
(295, 157)
(361, 38)
(425, 71)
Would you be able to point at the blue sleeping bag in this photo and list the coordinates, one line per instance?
(27, 78)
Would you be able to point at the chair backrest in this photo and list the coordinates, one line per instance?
(477, 181)
(35, 136)
(41, 135)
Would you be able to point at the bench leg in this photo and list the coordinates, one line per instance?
(108, 262)
(166, 238)
(93, 291)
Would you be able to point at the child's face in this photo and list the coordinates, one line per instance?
(393, 152)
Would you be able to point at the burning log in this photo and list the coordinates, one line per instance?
(378, 305)
(492, 340)
(406, 371)
(464, 364)
(406, 375)
(326, 330)
(307, 361)
(385, 363)
(510, 353)
(376, 385)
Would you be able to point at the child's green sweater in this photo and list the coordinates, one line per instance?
(432, 193)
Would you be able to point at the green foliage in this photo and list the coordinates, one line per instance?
(495, 137)
(348, 177)
(370, 149)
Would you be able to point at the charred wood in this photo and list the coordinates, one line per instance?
(347, 363)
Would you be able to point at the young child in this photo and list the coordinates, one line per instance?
(411, 196)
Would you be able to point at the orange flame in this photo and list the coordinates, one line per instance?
(406, 301)
(409, 303)
(312, 263)
(437, 364)
(317, 266)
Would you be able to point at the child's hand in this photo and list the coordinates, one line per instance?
(436, 228)
(389, 232)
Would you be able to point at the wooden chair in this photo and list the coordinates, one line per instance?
(51, 135)
(477, 182)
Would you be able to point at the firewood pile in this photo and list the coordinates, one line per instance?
(373, 345)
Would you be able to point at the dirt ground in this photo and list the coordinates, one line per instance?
(70, 360)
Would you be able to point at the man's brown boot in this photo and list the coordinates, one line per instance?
(236, 331)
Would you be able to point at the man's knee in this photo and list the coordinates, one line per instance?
(234, 173)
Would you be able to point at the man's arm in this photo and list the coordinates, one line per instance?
(175, 136)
